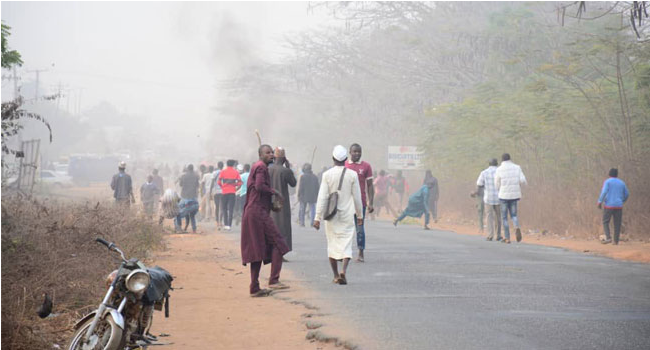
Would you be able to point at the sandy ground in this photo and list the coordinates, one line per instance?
(210, 307)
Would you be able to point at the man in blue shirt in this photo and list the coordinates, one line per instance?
(614, 194)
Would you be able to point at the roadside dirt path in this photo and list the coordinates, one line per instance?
(210, 307)
(636, 251)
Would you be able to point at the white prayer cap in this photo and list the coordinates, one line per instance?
(240, 167)
(340, 153)
(122, 165)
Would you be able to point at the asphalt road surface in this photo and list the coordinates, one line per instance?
(440, 290)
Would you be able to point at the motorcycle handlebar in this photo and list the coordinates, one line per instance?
(104, 242)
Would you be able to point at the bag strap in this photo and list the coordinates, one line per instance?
(341, 179)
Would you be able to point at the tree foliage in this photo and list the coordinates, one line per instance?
(469, 81)
(13, 111)
(10, 58)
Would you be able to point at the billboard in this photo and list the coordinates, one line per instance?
(404, 158)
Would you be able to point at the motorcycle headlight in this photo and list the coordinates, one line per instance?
(137, 281)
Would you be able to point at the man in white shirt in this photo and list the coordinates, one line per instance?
(508, 179)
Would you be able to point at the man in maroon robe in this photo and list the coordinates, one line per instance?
(261, 241)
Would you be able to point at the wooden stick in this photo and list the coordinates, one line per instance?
(259, 138)
(313, 154)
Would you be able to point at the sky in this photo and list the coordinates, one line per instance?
(160, 60)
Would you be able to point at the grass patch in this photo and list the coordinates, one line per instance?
(48, 247)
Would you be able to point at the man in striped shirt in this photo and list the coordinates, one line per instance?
(491, 199)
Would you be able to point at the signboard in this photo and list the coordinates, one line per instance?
(404, 158)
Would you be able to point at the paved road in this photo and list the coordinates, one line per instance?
(440, 290)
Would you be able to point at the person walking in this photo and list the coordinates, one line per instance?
(189, 204)
(158, 181)
(281, 178)
(261, 242)
(418, 204)
(240, 195)
(339, 229)
(400, 186)
(229, 181)
(614, 194)
(217, 193)
(490, 198)
(149, 194)
(207, 205)
(122, 187)
(308, 194)
(382, 186)
(364, 171)
(508, 179)
(434, 194)
(480, 206)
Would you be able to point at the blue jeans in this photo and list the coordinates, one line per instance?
(187, 208)
(508, 205)
(403, 215)
(303, 211)
(361, 232)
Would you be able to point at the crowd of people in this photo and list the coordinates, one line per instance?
(261, 198)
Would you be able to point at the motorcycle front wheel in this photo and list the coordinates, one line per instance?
(107, 336)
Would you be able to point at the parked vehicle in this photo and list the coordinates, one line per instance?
(55, 179)
(124, 317)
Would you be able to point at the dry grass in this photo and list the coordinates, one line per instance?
(569, 212)
(48, 247)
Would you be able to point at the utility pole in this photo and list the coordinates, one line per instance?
(15, 79)
(38, 72)
(79, 101)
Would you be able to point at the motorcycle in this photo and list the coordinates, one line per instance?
(123, 319)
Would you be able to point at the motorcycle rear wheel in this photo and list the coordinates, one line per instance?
(108, 335)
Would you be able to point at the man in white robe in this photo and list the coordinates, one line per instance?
(340, 228)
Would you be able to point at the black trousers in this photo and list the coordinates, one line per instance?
(227, 205)
(217, 205)
(618, 218)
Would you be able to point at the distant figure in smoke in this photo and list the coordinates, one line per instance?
(122, 187)
(480, 206)
(260, 239)
(217, 193)
(320, 175)
(149, 194)
(434, 194)
(508, 179)
(382, 186)
(490, 198)
(244, 170)
(614, 194)
(340, 229)
(364, 171)
(158, 181)
(400, 186)
(418, 204)
(207, 204)
(307, 194)
(281, 178)
(189, 204)
(229, 181)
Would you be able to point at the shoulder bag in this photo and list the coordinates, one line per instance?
(333, 199)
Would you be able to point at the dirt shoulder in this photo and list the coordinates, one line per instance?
(626, 250)
(210, 307)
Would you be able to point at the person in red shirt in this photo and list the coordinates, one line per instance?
(364, 171)
(230, 181)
